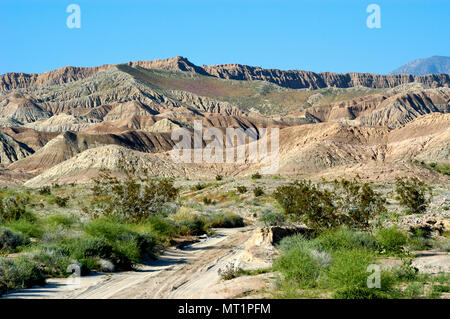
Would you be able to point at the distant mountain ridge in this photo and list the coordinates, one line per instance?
(292, 79)
(63, 126)
(433, 65)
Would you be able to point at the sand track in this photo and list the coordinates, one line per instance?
(191, 272)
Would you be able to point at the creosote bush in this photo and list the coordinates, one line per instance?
(134, 198)
(256, 175)
(10, 240)
(12, 208)
(348, 204)
(258, 191)
(61, 201)
(45, 190)
(241, 189)
(412, 193)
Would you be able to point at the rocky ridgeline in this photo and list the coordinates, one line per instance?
(294, 79)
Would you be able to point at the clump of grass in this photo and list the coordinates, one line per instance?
(208, 201)
(162, 228)
(190, 223)
(349, 268)
(231, 271)
(53, 260)
(345, 239)
(219, 177)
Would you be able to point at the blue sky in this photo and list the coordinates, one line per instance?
(316, 35)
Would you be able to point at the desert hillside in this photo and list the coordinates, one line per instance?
(62, 126)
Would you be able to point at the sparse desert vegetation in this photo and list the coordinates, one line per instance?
(118, 224)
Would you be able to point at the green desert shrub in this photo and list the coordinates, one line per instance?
(161, 227)
(305, 202)
(193, 227)
(356, 292)
(349, 268)
(190, 223)
(406, 272)
(298, 241)
(299, 267)
(256, 175)
(347, 239)
(391, 240)
(199, 186)
(357, 203)
(19, 273)
(61, 201)
(65, 221)
(129, 247)
(241, 189)
(271, 218)
(12, 208)
(52, 259)
(133, 199)
(225, 220)
(29, 227)
(45, 190)
(10, 240)
(219, 177)
(413, 194)
(258, 191)
(347, 204)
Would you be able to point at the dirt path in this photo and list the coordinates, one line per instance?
(191, 272)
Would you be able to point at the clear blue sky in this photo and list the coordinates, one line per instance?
(316, 35)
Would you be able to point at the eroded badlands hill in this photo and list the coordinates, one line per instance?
(64, 125)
